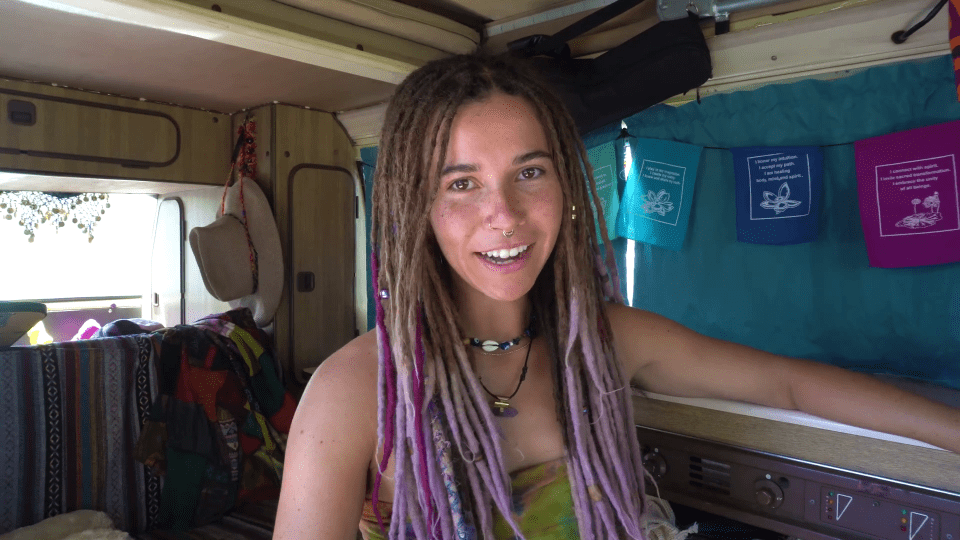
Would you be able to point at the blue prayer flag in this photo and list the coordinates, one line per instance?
(778, 193)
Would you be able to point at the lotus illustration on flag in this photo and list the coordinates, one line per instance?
(780, 202)
(922, 220)
(657, 202)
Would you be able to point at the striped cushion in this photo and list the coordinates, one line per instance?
(70, 415)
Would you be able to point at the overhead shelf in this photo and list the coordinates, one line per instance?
(225, 56)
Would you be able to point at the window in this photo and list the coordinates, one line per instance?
(79, 279)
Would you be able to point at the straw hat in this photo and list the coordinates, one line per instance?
(223, 254)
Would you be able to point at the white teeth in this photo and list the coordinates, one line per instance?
(506, 253)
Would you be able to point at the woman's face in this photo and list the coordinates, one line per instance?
(499, 177)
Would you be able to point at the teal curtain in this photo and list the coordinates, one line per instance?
(818, 300)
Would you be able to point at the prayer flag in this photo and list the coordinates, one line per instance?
(661, 176)
(910, 197)
(603, 158)
(778, 193)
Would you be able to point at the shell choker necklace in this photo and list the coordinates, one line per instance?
(490, 345)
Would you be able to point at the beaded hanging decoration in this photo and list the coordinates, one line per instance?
(245, 161)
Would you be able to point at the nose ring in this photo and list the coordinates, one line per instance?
(508, 234)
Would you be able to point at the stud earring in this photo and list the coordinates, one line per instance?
(573, 212)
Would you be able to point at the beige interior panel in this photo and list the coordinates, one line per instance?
(136, 138)
(322, 264)
(897, 461)
(303, 138)
(90, 135)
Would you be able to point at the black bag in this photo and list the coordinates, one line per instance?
(665, 60)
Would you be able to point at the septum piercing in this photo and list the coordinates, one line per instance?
(507, 234)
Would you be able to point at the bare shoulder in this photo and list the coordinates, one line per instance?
(352, 370)
(331, 440)
(344, 389)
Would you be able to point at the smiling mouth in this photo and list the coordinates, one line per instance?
(504, 256)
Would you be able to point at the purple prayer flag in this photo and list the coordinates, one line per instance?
(910, 197)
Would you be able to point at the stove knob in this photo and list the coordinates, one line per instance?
(655, 464)
(768, 494)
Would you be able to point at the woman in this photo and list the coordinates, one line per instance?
(483, 233)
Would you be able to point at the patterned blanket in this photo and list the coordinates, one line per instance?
(70, 414)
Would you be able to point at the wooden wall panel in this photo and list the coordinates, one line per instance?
(321, 264)
(84, 134)
(303, 139)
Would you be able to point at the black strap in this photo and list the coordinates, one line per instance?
(901, 36)
(593, 20)
(557, 43)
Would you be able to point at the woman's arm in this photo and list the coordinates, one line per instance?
(665, 357)
(328, 453)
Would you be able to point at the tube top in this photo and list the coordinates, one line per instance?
(542, 506)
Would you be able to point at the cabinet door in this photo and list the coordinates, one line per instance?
(323, 239)
(62, 131)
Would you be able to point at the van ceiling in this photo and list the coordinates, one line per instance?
(52, 46)
(57, 41)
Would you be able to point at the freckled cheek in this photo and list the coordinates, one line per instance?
(451, 226)
(551, 208)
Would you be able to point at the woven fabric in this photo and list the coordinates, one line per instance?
(70, 414)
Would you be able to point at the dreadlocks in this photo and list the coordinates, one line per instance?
(434, 419)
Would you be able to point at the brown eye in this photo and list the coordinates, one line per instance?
(531, 173)
(460, 184)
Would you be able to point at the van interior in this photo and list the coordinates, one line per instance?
(129, 111)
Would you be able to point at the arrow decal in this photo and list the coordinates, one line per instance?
(843, 502)
(917, 521)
